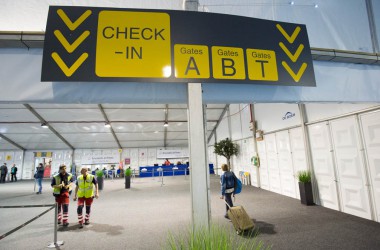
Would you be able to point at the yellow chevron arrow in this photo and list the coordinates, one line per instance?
(290, 55)
(71, 47)
(66, 70)
(296, 77)
(289, 38)
(67, 21)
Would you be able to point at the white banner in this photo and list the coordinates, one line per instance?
(171, 153)
(100, 159)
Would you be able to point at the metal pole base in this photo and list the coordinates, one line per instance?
(57, 244)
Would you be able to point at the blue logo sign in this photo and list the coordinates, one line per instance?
(288, 115)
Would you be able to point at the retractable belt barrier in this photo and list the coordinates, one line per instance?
(51, 207)
(29, 221)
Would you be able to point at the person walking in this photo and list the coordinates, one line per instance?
(4, 171)
(39, 175)
(227, 181)
(61, 184)
(14, 173)
(84, 191)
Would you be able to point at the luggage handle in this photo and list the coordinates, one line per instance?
(226, 203)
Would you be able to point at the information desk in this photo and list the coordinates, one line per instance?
(151, 171)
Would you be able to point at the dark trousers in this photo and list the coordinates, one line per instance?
(13, 176)
(3, 178)
(228, 199)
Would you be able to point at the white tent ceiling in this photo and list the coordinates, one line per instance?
(82, 125)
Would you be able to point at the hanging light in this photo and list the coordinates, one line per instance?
(166, 124)
(107, 125)
(44, 125)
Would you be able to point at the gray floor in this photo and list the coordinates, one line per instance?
(141, 217)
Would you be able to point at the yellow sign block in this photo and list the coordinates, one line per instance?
(191, 61)
(133, 44)
(228, 63)
(262, 65)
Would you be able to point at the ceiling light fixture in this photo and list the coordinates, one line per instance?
(44, 125)
(107, 125)
(166, 124)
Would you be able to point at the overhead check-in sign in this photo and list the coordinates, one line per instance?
(135, 45)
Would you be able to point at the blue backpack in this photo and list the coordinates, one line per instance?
(238, 185)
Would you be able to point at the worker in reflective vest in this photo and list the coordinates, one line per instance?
(61, 184)
(85, 194)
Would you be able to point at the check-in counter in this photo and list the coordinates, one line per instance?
(171, 170)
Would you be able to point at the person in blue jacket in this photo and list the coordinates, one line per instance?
(39, 175)
(227, 181)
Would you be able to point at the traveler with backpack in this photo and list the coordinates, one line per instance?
(228, 182)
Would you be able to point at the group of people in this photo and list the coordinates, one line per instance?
(84, 193)
(4, 173)
(86, 190)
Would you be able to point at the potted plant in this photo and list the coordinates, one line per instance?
(127, 174)
(304, 183)
(227, 149)
(100, 179)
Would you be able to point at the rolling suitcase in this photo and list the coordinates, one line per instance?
(240, 219)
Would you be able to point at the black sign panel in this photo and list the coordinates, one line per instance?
(138, 45)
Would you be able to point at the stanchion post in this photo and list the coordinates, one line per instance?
(56, 243)
(162, 177)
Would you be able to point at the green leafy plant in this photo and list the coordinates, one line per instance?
(227, 149)
(99, 173)
(304, 176)
(128, 172)
(218, 237)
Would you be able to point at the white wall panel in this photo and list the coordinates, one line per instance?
(235, 122)
(134, 155)
(285, 164)
(264, 175)
(318, 111)
(27, 171)
(143, 156)
(298, 154)
(245, 116)
(272, 159)
(247, 161)
(152, 156)
(323, 165)
(271, 116)
(222, 132)
(351, 172)
(371, 132)
(236, 160)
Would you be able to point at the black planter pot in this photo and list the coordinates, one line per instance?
(127, 181)
(306, 193)
(100, 182)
